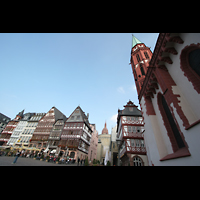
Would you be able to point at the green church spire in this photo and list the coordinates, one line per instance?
(135, 41)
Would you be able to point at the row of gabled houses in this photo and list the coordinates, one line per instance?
(53, 132)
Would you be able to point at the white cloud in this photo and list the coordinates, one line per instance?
(133, 87)
(121, 90)
(114, 118)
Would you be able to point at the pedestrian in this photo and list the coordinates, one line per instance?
(78, 161)
(81, 161)
(16, 157)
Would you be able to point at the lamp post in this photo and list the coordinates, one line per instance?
(118, 143)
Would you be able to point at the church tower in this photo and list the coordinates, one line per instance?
(140, 58)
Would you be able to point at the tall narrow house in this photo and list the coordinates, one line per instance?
(130, 130)
(76, 135)
(7, 132)
(44, 127)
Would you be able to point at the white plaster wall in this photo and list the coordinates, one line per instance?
(163, 130)
(149, 138)
(186, 87)
(160, 146)
(189, 100)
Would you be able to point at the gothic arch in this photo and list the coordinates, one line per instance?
(175, 135)
(191, 75)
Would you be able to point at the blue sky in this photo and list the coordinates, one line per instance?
(41, 70)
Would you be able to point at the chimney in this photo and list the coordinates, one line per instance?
(88, 115)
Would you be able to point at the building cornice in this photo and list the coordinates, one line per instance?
(161, 55)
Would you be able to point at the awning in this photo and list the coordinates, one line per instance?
(46, 149)
(5, 147)
(53, 151)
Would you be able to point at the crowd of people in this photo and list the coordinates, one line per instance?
(44, 156)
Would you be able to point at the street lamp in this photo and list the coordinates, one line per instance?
(118, 143)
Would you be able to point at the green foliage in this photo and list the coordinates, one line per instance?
(108, 163)
(86, 161)
(94, 161)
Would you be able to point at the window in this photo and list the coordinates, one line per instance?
(194, 60)
(146, 55)
(190, 61)
(172, 124)
(137, 142)
(129, 129)
(131, 109)
(142, 70)
(138, 129)
(132, 142)
(138, 58)
(137, 161)
(142, 143)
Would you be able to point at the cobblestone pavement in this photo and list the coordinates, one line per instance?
(7, 161)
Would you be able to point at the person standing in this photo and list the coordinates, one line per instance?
(78, 161)
(17, 156)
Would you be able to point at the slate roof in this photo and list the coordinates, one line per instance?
(21, 113)
(27, 116)
(4, 119)
(83, 118)
(127, 112)
(59, 115)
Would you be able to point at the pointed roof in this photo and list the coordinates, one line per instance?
(21, 113)
(135, 41)
(59, 114)
(79, 116)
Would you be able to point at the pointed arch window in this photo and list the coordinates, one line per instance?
(142, 70)
(170, 125)
(190, 64)
(194, 60)
(146, 55)
(138, 58)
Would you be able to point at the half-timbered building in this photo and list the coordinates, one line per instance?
(7, 132)
(55, 135)
(76, 135)
(26, 135)
(44, 127)
(130, 129)
(16, 139)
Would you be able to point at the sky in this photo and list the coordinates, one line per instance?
(65, 70)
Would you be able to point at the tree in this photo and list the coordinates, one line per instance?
(86, 161)
(108, 163)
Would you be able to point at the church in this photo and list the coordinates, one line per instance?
(168, 87)
(103, 145)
